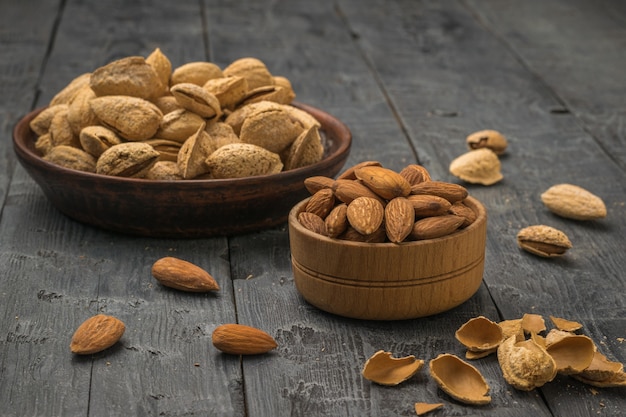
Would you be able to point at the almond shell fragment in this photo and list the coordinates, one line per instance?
(479, 334)
(459, 379)
(382, 368)
(525, 364)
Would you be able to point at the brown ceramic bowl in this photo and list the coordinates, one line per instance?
(388, 281)
(179, 209)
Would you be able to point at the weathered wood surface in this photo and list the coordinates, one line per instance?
(411, 79)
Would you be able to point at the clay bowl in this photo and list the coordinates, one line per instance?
(180, 209)
(387, 281)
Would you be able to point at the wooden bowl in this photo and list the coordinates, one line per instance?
(185, 208)
(387, 281)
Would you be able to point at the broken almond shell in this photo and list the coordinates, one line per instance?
(480, 334)
(603, 373)
(565, 325)
(423, 408)
(572, 353)
(525, 364)
(382, 368)
(459, 379)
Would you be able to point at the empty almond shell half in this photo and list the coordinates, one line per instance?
(382, 368)
(459, 379)
(603, 372)
(491, 139)
(479, 334)
(565, 325)
(572, 353)
(533, 323)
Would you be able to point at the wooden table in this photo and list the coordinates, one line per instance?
(411, 79)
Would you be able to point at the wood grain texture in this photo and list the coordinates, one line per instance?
(316, 369)
(162, 365)
(447, 72)
(23, 55)
(584, 68)
(411, 79)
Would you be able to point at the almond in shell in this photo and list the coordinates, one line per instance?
(238, 160)
(127, 159)
(481, 166)
(197, 73)
(130, 117)
(573, 202)
(544, 241)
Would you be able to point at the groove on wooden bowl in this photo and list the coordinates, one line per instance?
(387, 281)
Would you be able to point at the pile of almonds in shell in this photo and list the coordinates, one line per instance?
(374, 204)
(139, 117)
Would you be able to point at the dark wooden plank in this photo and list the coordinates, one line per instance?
(162, 365)
(23, 53)
(316, 369)
(23, 366)
(577, 49)
(459, 67)
(326, 70)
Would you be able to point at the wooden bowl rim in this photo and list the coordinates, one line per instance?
(475, 204)
(344, 136)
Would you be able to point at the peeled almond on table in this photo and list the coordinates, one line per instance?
(382, 368)
(480, 334)
(459, 379)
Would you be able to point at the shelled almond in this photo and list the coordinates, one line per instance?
(186, 114)
(371, 203)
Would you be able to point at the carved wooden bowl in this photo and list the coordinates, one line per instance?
(184, 208)
(388, 281)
